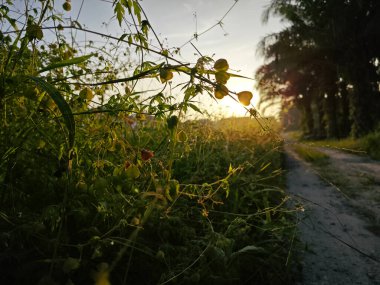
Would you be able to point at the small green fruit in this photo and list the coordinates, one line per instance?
(165, 75)
(132, 171)
(86, 93)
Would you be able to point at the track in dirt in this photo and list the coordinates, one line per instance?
(338, 247)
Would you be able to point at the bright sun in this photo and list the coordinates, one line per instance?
(233, 108)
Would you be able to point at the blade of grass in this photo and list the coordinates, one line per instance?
(63, 107)
(64, 63)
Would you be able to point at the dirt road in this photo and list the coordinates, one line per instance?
(338, 247)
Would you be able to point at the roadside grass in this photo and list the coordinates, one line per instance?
(371, 144)
(310, 154)
(351, 145)
(367, 145)
(322, 165)
(295, 135)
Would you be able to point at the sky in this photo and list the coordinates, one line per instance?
(176, 21)
(235, 41)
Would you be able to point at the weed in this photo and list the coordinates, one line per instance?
(311, 154)
(105, 184)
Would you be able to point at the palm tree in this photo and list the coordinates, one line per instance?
(331, 53)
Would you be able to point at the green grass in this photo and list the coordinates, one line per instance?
(371, 144)
(295, 135)
(311, 154)
(348, 144)
(367, 145)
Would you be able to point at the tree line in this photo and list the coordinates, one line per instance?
(325, 64)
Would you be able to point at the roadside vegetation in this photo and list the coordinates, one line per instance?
(102, 183)
(367, 145)
(310, 154)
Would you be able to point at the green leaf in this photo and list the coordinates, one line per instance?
(137, 10)
(66, 62)
(76, 24)
(70, 264)
(230, 169)
(264, 166)
(248, 250)
(172, 190)
(7, 154)
(123, 36)
(132, 172)
(165, 52)
(120, 11)
(239, 76)
(189, 93)
(195, 108)
(63, 107)
(145, 27)
(172, 122)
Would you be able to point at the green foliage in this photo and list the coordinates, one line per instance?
(311, 154)
(61, 104)
(367, 145)
(101, 183)
(67, 62)
(350, 145)
(371, 144)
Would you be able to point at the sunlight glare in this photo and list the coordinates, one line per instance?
(234, 108)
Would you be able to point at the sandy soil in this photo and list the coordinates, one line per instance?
(338, 247)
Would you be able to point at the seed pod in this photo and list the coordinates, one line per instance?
(221, 65)
(132, 171)
(222, 77)
(67, 6)
(165, 75)
(86, 93)
(245, 97)
(220, 91)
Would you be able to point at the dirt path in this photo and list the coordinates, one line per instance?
(338, 247)
(361, 176)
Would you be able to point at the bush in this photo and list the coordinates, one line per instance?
(371, 143)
